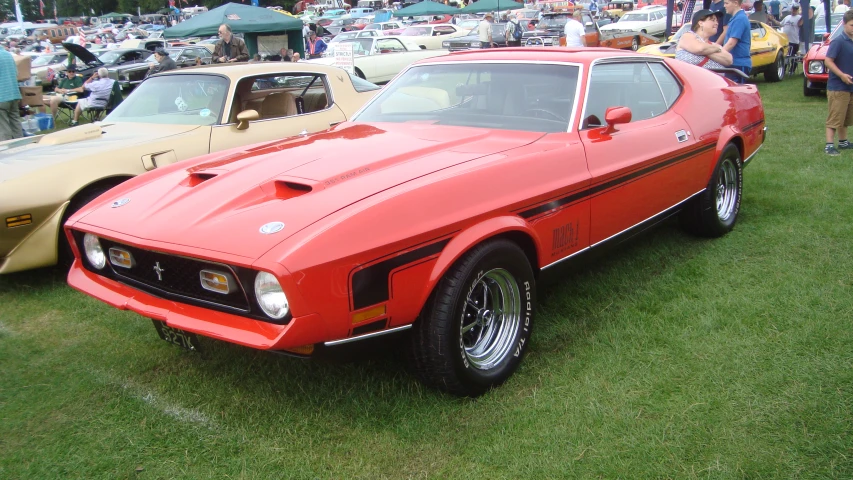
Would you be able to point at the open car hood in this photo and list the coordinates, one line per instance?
(83, 54)
(221, 202)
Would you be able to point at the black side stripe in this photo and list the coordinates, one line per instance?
(593, 190)
(370, 285)
(752, 125)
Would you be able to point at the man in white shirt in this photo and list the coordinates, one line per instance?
(575, 34)
(842, 7)
(484, 31)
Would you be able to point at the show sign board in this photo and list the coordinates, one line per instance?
(344, 57)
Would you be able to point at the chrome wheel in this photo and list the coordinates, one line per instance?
(635, 44)
(726, 189)
(491, 318)
(780, 69)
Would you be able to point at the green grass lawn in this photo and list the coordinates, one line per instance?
(674, 358)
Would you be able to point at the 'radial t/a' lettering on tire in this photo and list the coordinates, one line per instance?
(476, 326)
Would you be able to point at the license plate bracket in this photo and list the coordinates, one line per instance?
(176, 336)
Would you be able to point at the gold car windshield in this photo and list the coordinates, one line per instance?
(176, 100)
(508, 96)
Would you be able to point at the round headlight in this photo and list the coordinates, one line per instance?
(816, 67)
(94, 252)
(270, 296)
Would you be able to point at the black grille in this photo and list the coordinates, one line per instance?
(177, 276)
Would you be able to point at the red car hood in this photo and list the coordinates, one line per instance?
(220, 204)
(818, 52)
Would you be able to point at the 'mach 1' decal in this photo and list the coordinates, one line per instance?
(564, 238)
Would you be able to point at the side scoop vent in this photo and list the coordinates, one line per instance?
(287, 189)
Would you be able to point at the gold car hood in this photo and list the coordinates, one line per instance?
(25, 155)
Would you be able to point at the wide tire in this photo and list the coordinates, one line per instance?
(713, 213)
(777, 71)
(475, 327)
(809, 92)
(635, 43)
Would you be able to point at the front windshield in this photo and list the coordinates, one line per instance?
(634, 17)
(553, 21)
(45, 60)
(536, 98)
(344, 36)
(417, 31)
(109, 56)
(373, 26)
(174, 99)
(360, 46)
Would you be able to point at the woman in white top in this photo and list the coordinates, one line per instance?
(695, 48)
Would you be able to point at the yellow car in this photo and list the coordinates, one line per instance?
(767, 50)
(170, 117)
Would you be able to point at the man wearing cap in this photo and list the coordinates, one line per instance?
(65, 85)
(229, 49)
(164, 62)
(738, 40)
(484, 31)
(791, 28)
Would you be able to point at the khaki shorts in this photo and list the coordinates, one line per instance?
(840, 109)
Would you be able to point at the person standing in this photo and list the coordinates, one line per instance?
(164, 62)
(738, 40)
(720, 6)
(315, 46)
(513, 32)
(839, 87)
(774, 6)
(484, 31)
(791, 28)
(593, 7)
(229, 49)
(842, 7)
(575, 34)
(807, 28)
(761, 16)
(10, 98)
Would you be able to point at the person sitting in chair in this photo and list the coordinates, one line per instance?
(100, 86)
(66, 85)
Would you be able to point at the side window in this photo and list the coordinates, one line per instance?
(279, 96)
(389, 45)
(629, 84)
(444, 30)
(668, 84)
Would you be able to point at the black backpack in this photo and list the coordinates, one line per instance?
(516, 31)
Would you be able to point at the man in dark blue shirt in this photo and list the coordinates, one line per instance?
(839, 87)
(719, 6)
(738, 39)
(774, 8)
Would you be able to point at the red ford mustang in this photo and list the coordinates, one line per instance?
(815, 71)
(462, 185)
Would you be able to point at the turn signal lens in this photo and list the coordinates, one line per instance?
(219, 282)
(94, 252)
(121, 258)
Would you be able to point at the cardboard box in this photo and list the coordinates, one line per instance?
(31, 96)
(23, 64)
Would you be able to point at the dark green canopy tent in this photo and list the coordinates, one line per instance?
(484, 6)
(426, 8)
(115, 15)
(252, 22)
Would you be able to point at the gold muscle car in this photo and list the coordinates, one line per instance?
(767, 49)
(170, 117)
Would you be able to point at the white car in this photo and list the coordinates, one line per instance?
(429, 37)
(651, 21)
(379, 59)
(384, 26)
(349, 36)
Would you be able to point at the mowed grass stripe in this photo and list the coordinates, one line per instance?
(675, 357)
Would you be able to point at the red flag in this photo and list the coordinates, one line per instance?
(41, 8)
(50, 74)
(172, 3)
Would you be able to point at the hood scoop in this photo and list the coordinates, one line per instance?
(71, 135)
(285, 189)
(194, 179)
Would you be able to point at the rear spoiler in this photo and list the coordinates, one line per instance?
(733, 71)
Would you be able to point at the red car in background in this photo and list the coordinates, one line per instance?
(452, 195)
(814, 69)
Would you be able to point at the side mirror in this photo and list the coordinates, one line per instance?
(246, 116)
(615, 116)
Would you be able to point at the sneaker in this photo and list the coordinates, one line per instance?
(831, 150)
(847, 146)
(74, 124)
